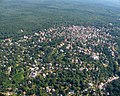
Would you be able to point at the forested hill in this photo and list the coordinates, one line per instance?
(32, 15)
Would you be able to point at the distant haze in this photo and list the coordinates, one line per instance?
(112, 3)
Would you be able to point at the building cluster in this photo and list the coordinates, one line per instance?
(45, 52)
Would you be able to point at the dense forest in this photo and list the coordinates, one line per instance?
(35, 15)
(59, 48)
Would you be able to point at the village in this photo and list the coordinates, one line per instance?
(88, 51)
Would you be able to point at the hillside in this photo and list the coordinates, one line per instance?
(41, 14)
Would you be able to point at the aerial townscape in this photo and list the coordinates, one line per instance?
(59, 48)
(59, 61)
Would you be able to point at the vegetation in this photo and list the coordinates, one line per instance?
(114, 88)
(32, 16)
(59, 47)
(63, 60)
